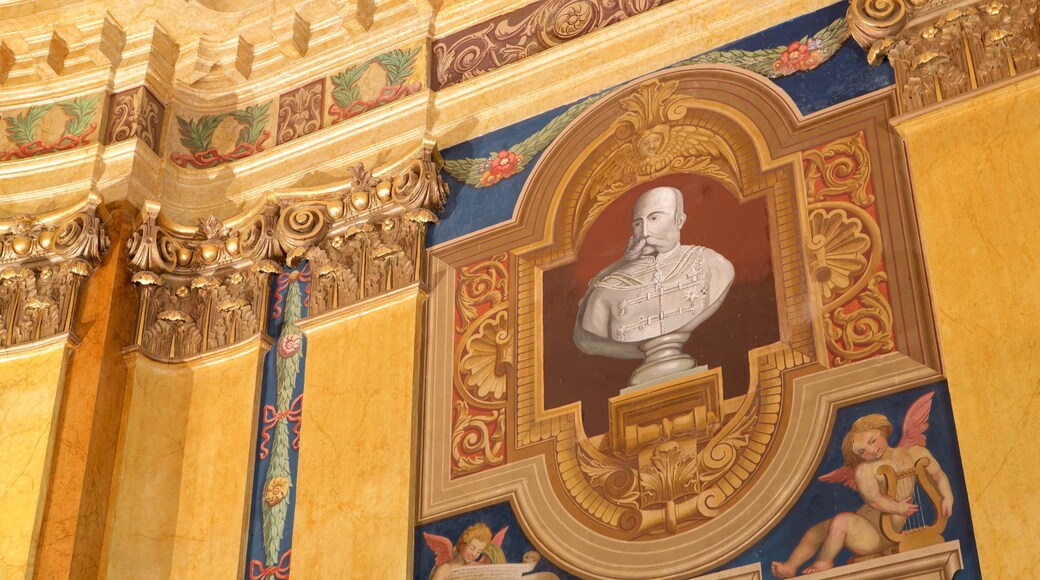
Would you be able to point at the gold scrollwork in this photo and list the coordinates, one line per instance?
(476, 440)
(845, 252)
(842, 248)
(364, 237)
(678, 481)
(483, 283)
(486, 360)
(843, 166)
(871, 21)
(484, 351)
(864, 331)
(940, 49)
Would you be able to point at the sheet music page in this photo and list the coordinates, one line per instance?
(491, 571)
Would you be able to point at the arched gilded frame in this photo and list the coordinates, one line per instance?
(662, 495)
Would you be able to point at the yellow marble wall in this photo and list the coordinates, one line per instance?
(354, 507)
(180, 503)
(977, 183)
(30, 400)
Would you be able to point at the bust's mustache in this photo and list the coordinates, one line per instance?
(638, 244)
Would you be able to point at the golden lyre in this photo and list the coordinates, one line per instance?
(915, 532)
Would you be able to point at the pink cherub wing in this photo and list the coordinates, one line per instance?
(441, 546)
(500, 536)
(841, 475)
(916, 422)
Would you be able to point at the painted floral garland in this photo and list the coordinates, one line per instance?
(800, 55)
(277, 447)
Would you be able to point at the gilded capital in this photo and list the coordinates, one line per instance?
(940, 49)
(43, 262)
(207, 287)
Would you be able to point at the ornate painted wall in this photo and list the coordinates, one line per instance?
(444, 223)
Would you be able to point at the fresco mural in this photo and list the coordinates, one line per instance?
(810, 58)
(441, 549)
(647, 360)
(919, 425)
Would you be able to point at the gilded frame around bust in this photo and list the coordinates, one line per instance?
(854, 320)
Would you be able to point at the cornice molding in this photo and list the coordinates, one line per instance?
(145, 84)
(206, 288)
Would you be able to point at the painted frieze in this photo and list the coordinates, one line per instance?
(136, 113)
(694, 271)
(210, 140)
(374, 83)
(49, 128)
(524, 32)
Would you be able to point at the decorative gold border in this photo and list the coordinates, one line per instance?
(528, 479)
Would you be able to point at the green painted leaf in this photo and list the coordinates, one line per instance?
(464, 170)
(197, 134)
(253, 120)
(468, 170)
(399, 65)
(80, 112)
(346, 90)
(23, 127)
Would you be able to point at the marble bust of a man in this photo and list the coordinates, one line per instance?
(646, 304)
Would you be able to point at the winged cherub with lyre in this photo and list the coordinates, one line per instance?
(871, 468)
(475, 546)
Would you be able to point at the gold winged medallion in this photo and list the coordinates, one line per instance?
(655, 137)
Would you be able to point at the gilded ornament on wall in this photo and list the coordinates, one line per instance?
(484, 344)
(136, 113)
(690, 465)
(524, 32)
(940, 49)
(207, 288)
(43, 264)
(300, 111)
(845, 251)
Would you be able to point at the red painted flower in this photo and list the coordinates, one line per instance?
(505, 163)
(289, 345)
(799, 56)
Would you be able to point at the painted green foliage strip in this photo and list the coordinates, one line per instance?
(801, 55)
(197, 136)
(279, 477)
(269, 548)
(23, 129)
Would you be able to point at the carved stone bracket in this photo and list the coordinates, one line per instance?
(207, 288)
(43, 262)
(940, 49)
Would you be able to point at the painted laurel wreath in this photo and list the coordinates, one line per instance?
(800, 55)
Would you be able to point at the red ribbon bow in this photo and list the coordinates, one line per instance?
(271, 418)
(257, 571)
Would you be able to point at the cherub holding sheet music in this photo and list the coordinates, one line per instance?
(475, 546)
(865, 449)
